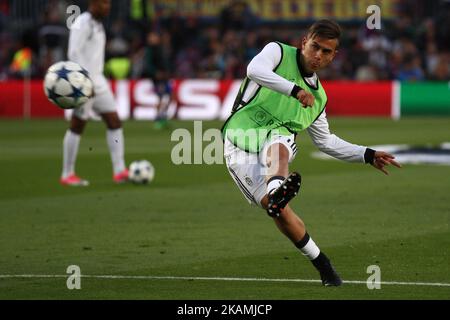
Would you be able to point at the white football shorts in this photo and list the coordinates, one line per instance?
(102, 102)
(248, 170)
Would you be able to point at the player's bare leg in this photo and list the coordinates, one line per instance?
(286, 219)
(116, 145)
(277, 160)
(70, 152)
(281, 187)
(112, 120)
(288, 223)
(77, 125)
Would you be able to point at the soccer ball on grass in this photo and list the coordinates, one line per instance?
(141, 172)
(68, 85)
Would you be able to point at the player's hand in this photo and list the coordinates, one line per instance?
(306, 98)
(383, 159)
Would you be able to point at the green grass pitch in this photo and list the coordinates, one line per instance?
(192, 220)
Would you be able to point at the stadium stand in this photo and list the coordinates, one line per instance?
(219, 43)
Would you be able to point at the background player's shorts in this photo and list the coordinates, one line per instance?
(102, 102)
(248, 170)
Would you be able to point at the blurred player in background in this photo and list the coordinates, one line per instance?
(87, 47)
(157, 68)
(280, 97)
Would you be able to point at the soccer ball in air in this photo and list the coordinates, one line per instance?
(68, 85)
(141, 172)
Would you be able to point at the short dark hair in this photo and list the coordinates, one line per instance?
(325, 28)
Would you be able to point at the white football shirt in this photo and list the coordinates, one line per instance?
(87, 45)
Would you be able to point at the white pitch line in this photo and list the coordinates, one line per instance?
(6, 276)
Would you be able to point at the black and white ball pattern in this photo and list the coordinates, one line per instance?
(68, 85)
(141, 172)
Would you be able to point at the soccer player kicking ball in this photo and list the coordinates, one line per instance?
(87, 47)
(280, 97)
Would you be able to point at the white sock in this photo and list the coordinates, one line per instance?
(70, 151)
(116, 149)
(308, 247)
(274, 183)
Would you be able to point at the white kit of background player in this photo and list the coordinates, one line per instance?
(87, 47)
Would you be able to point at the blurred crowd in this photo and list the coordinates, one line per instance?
(411, 47)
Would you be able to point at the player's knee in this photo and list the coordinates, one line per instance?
(114, 125)
(112, 121)
(77, 125)
(77, 131)
(283, 155)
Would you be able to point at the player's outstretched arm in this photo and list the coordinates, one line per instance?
(343, 150)
(383, 159)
